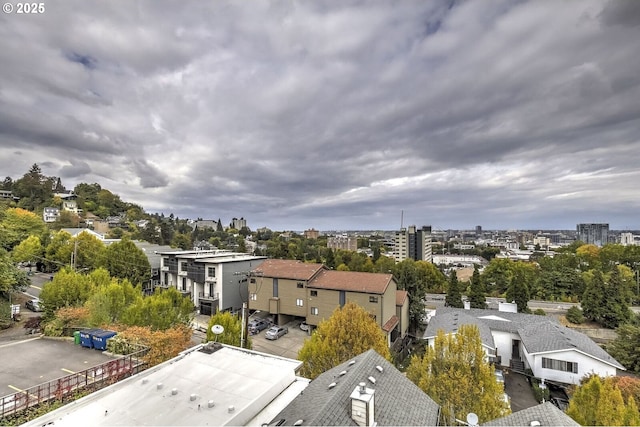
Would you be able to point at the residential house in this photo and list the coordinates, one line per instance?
(366, 391)
(69, 202)
(153, 253)
(292, 289)
(211, 384)
(521, 341)
(50, 214)
(215, 280)
(76, 231)
(402, 311)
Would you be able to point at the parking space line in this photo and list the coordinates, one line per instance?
(21, 390)
(69, 371)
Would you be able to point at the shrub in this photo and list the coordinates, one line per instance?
(540, 393)
(574, 315)
(539, 312)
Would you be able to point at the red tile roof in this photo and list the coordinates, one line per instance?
(352, 281)
(390, 324)
(287, 269)
(401, 297)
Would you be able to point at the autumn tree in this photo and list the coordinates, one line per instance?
(348, 332)
(599, 401)
(125, 260)
(454, 293)
(232, 330)
(454, 372)
(163, 344)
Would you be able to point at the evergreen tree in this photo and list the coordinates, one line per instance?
(331, 259)
(477, 298)
(454, 294)
(518, 291)
(593, 297)
(616, 302)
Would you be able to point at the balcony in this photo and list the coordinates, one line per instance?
(208, 297)
(165, 268)
(182, 273)
(210, 279)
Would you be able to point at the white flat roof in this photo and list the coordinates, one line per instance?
(179, 392)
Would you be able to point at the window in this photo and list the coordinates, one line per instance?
(560, 365)
(373, 299)
(300, 285)
(211, 271)
(299, 302)
(314, 293)
(314, 311)
(184, 284)
(252, 280)
(183, 266)
(165, 261)
(254, 297)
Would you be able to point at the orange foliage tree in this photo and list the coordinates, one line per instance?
(163, 344)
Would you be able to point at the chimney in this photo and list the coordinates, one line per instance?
(362, 409)
(467, 305)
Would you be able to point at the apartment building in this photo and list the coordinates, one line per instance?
(291, 289)
(215, 280)
(343, 242)
(413, 243)
(593, 234)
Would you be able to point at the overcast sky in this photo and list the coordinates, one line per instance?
(333, 115)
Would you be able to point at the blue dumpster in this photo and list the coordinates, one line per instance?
(100, 338)
(86, 339)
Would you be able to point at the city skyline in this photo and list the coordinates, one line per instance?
(334, 115)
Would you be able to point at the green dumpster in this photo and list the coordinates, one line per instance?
(76, 337)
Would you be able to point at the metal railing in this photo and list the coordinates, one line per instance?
(63, 388)
(211, 297)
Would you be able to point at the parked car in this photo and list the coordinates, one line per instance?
(276, 332)
(304, 326)
(257, 325)
(499, 376)
(33, 305)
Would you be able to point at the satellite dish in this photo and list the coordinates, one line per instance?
(472, 419)
(217, 330)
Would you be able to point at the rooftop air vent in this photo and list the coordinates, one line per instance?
(231, 408)
(379, 368)
(174, 391)
(534, 423)
(159, 386)
(298, 423)
(193, 397)
(373, 380)
(343, 373)
(210, 404)
(332, 385)
(352, 362)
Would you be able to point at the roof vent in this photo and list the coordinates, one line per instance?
(174, 391)
(343, 373)
(373, 380)
(159, 386)
(379, 368)
(534, 423)
(231, 408)
(144, 381)
(298, 423)
(332, 385)
(193, 397)
(210, 404)
(362, 388)
(351, 363)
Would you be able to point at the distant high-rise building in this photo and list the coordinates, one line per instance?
(626, 239)
(593, 234)
(478, 230)
(238, 224)
(343, 242)
(413, 243)
(311, 233)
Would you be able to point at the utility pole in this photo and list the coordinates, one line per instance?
(242, 338)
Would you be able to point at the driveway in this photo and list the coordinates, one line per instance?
(287, 345)
(519, 390)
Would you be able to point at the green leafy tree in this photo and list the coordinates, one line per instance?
(454, 293)
(109, 301)
(349, 332)
(125, 260)
(34, 189)
(12, 279)
(162, 310)
(232, 334)
(625, 347)
(518, 291)
(455, 374)
(67, 289)
(330, 260)
(182, 241)
(17, 224)
(477, 297)
(88, 251)
(497, 275)
(29, 250)
(59, 250)
(599, 402)
(616, 301)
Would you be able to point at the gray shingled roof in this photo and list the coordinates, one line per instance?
(546, 337)
(539, 334)
(397, 401)
(546, 414)
(450, 321)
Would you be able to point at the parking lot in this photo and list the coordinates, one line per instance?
(286, 346)
(31, 362)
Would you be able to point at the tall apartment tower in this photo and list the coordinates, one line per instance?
(413, 243)
(593, 234)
